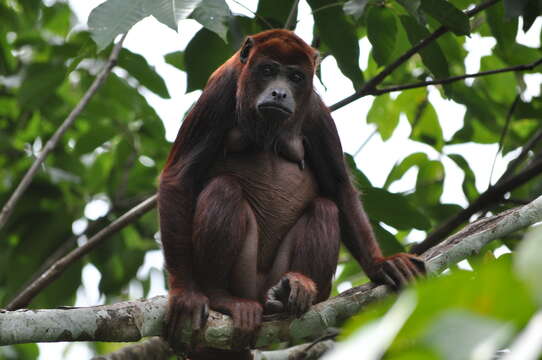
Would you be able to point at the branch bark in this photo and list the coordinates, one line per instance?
(24, 297)
(490, 196)
(8, 208)
(132, 320)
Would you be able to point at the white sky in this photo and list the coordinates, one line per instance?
(153, 40)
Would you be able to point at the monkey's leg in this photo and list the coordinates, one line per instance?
(306, 260)
(225, 244)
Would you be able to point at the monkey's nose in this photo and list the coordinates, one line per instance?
(279, 94)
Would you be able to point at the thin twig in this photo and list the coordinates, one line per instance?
(365, 142)
(290, 22)
(490, 196)
(370, 86)
(512, 166)
(503, 134)
(524, 67)
(24, 298)
(8, 208)
(261, 18)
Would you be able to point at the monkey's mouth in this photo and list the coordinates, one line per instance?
(274, 111)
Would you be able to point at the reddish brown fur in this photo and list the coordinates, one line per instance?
(252, 211)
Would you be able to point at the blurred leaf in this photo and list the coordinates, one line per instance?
(430, 181)
(432, 55)
(203, 55)
(448, 15)
(469, 181)
(355, 8)
(387, 241)
(475, 331)
(214, 15)
(382, 33)
(39, 84)
(115, 17)
(112, 18)
(176, 59)
(339, 35)
(385, 115)
(528, 263)
(138, 67)
(426, 127)
(398, 170)
(360, 179)
(274, 12)
(532, 11)
(413, 8)
(393, 209)
(514, 8)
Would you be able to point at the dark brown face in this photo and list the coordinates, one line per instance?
(281, 89)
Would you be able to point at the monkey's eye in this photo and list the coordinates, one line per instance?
(267, 70)
(297, 76)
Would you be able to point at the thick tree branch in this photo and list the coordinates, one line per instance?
(132, 320)
(370, 86)
(24, 298)
(8, 208)
(489, 197)
(524, 67)
(154, 348)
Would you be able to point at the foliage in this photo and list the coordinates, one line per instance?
(116, 148)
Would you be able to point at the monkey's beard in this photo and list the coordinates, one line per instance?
(260, 131)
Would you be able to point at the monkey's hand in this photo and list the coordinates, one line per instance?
(246, 315)
(185, 306)
(294, 293)
(398, 270)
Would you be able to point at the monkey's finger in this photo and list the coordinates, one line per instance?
(401, 265)
(412, 267)
(395, 274)
(174, 323)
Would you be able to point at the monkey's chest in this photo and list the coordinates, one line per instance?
(277, 190)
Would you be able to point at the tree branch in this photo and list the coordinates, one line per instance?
(490, 196)
(370, 86)
(132, 320)
(24, 298)
(451, 79)
(8, 208)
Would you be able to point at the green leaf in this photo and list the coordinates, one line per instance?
(382, 33)
(139, 68)
(115, 17)
(398, 170)
(393, 209)
(273, 14)
(532, 11)
(339, 35)
(387, 241)
(527, 261)
(355, 7)
(514, 8)
(385, 115)
(448, 15)
(469, 181)
(413, 8)
(203, 55)
(504, 30)
(169, 12)
(476, 331)
(429, 183)
(39, 84)
(432, 55)
(112, 18)
(426, 127)
(214, 15)
(176, 59)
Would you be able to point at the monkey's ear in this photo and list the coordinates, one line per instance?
(245, 50)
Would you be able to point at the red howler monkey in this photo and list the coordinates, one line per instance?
(255, 196)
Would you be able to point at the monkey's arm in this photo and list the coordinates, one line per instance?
(325, 157)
